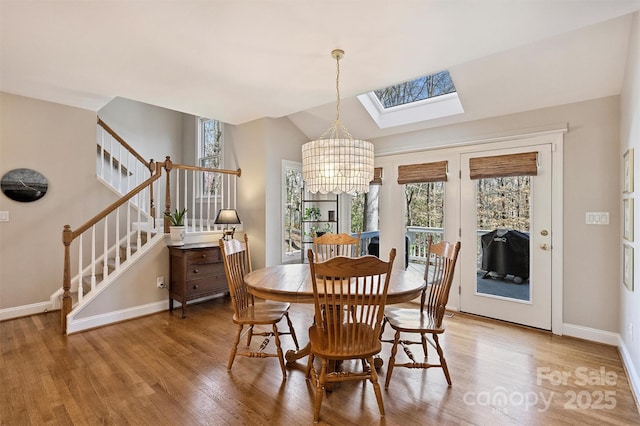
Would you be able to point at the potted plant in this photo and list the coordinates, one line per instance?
(312, 213)
(177, 228)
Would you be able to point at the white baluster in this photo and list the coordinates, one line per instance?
(93, 257)
(201, 174)
(105, 252)
(117, 257)
(138, 238)
(128, 231)
(80, 287)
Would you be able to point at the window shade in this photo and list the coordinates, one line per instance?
(425, 172)
(525, 164)
(377, 176)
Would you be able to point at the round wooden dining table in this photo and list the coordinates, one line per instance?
(292, 283)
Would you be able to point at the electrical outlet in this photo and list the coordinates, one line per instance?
(160, 282)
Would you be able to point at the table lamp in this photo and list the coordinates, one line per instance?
(227, 217)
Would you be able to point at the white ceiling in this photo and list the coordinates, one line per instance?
(240, 60)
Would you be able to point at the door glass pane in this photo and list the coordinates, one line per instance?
(424, 212)
(292, 216)
(365, 219)
(503, 221)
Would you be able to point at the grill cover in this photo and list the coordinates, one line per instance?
(506, 251)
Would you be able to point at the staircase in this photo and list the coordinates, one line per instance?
(100, 251)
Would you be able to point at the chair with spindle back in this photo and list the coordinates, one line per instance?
(360, 283)
(237, 263)
(330, 245)
(441, 263)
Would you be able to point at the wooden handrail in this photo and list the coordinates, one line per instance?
(237, 172)
(169, 165)
(124, 144)
(97, 218)
(68, 235)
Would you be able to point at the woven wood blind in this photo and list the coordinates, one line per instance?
(525, 164)
(425, 172)
(377, 176)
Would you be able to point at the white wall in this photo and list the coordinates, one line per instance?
(54, 139)
(591, 253)
(630, 138)
(152, 131)
(258, 148)
(49, 138)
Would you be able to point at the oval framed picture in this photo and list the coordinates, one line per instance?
(24, 185)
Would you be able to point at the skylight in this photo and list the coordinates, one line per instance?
(424, 98)
(425, 87)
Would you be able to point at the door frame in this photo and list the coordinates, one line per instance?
(556, 140)
(391, 197)
(536, 310)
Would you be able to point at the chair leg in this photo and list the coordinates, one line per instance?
(376, 386)
(384, 322)
(309, 365)
(276, 335)
(319, 391)
(392, 359)
(425, 348)
(249, 335)
(292, 330)
(234, 348)
(443, 362)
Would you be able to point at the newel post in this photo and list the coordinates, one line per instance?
(168, 165)
(152, 203)
(67, 238)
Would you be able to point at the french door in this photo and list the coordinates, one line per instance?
(505, 261)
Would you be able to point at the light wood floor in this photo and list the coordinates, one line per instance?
(164, 370)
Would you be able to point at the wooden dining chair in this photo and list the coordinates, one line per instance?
(330, 245)
(428, 320)
(246, 311)
(362, 284)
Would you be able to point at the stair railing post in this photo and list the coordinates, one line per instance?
(67, 238)
(152, 206)
(168, 165)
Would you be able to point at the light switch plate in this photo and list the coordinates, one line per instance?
(4, 216)
(597, 218)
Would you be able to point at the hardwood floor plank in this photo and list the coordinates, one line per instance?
(165, 370)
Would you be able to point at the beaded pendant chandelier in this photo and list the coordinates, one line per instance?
(336, 162)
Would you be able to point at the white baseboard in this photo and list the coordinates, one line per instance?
(76, 325)
(630, 369)
(593, 334)
(26, 310)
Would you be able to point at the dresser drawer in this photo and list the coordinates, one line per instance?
(197, 257)
(198, 271)
(206, 286)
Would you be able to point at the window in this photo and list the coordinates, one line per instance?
(424, 98)
(425, 87)
(210, 153)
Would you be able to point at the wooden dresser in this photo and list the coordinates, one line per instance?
(196, 270)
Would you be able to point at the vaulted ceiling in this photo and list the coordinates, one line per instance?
(240, 60)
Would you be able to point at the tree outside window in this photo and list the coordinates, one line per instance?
(210, 153)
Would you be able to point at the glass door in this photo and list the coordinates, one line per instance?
(506, 235)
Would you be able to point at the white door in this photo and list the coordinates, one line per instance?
(505, 259)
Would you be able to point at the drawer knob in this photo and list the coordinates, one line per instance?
(203, 255)
(195, 271)
(195, 286)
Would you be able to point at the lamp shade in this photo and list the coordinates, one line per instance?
(337, 165)
(227, 217)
